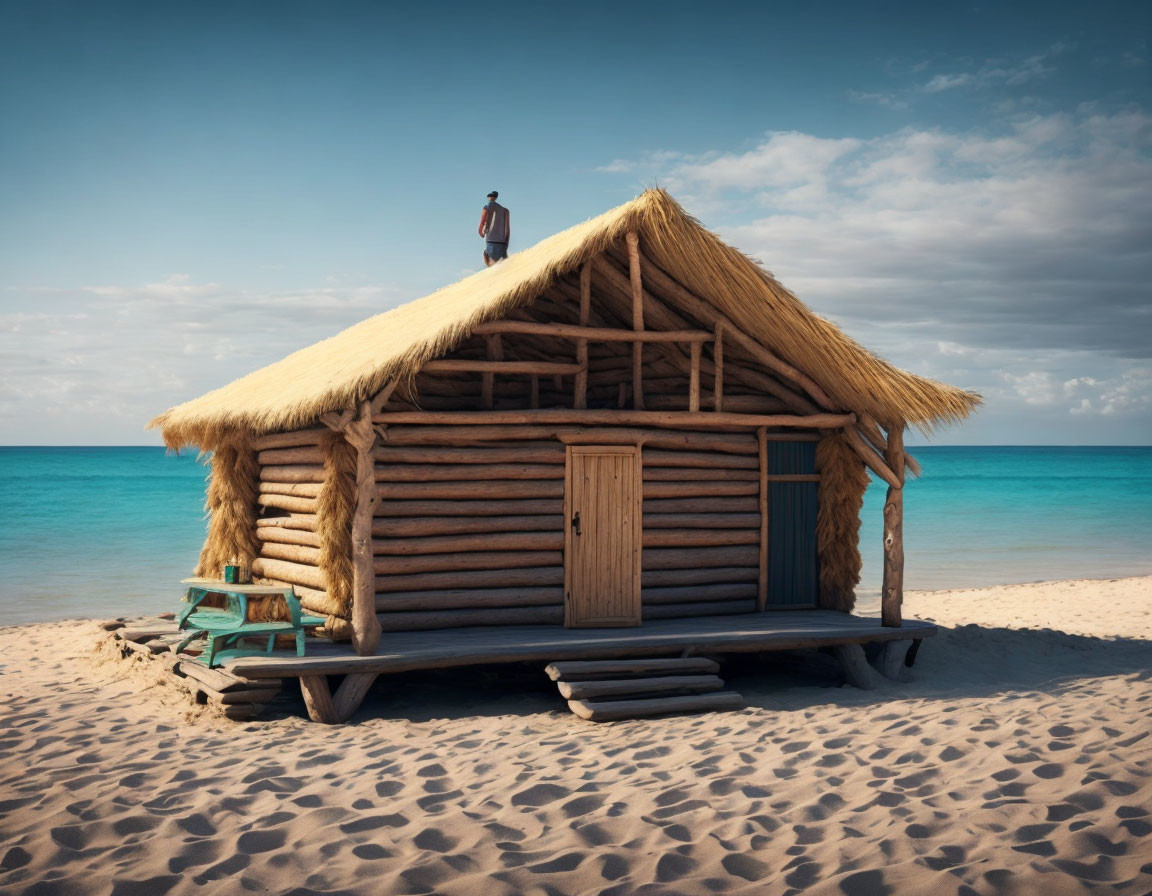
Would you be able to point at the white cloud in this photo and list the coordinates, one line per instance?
(1012, 261)
(133, 350)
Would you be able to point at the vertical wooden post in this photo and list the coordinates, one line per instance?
(633, 242)
(365, 626)
(718, 363)
(892, 589)
(694, 379)
(495, 353)
(762, 582)
(580, 400)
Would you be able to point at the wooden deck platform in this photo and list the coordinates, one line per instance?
(746, 633)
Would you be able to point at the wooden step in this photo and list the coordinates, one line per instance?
(610, 710)
(627, 687)
(583, 670)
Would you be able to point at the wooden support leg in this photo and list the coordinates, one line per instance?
(892, 585)
(318, 699)
(891, 660)
(321, 705)
(855, 665)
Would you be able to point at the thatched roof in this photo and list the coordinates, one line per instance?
(356, 363)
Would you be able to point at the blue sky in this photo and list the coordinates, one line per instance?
(189, 191)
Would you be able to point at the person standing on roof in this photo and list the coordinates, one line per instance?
(495, 230)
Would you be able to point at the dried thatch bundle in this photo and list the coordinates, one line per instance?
(334, 374)
(843, 480)
(334, 510)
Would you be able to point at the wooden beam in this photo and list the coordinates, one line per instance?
(710, 315)
(870, 429)
(596, 334)
(762, 581)
(637, 283)
(892, 587)
(365, 627)
(580, 399)
(871, 459)
(541, 368)
(666, 419)
(323, 708)
(495, 352)
(694, 379)
(718, 368)
(381, 397)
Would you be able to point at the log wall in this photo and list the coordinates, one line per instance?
(291, 479)
(469, 529)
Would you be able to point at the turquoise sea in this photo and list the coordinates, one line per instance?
(104, 532)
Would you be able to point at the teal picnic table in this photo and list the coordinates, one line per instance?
(225, 628)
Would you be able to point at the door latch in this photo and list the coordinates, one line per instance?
(576, 522)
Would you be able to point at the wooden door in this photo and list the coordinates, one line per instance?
(602, 545)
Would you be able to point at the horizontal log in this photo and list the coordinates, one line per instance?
(288, 502)
(701, 521)
(492, 490)
(401, 527)
(698, 474)
(297, 553)
(292, 573)
(593, 334)
(598, 670)
(469, 599)
(526, 453)
(624, 687)
(492, 541)
(746, 504)
(288, 536)
(289, 439)
(687, 538)
(289, 521)
(292, 473)
(698, 488)
(395, 566)
(469, 436)
(709, 608)
(299, 489)
(698, 558)
(481, 508)
(654, 457)
(466, 472)
(291, 456)
(614, 710)
(685, 594)
(219, 680)
(666, 419)
(406, 622)
(480, 578)
(715, 575)
(313, 600)
(540, 368)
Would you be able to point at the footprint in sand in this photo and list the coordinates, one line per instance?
(435, 840)
(740, 865)
(252, 842)
(540, 795)
(673, 867)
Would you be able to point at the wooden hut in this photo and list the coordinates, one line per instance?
(627, 423)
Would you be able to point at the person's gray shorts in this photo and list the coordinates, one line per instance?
(496, 251)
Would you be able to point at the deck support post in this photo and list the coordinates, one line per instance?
(855, 666)
(323, 708)
(892, 587)
(762, 581)
(891, 660)
(637, 284)
(365, 626)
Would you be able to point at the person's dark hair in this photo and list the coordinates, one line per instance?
(493, 195)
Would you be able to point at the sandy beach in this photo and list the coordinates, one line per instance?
(1017, 760)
